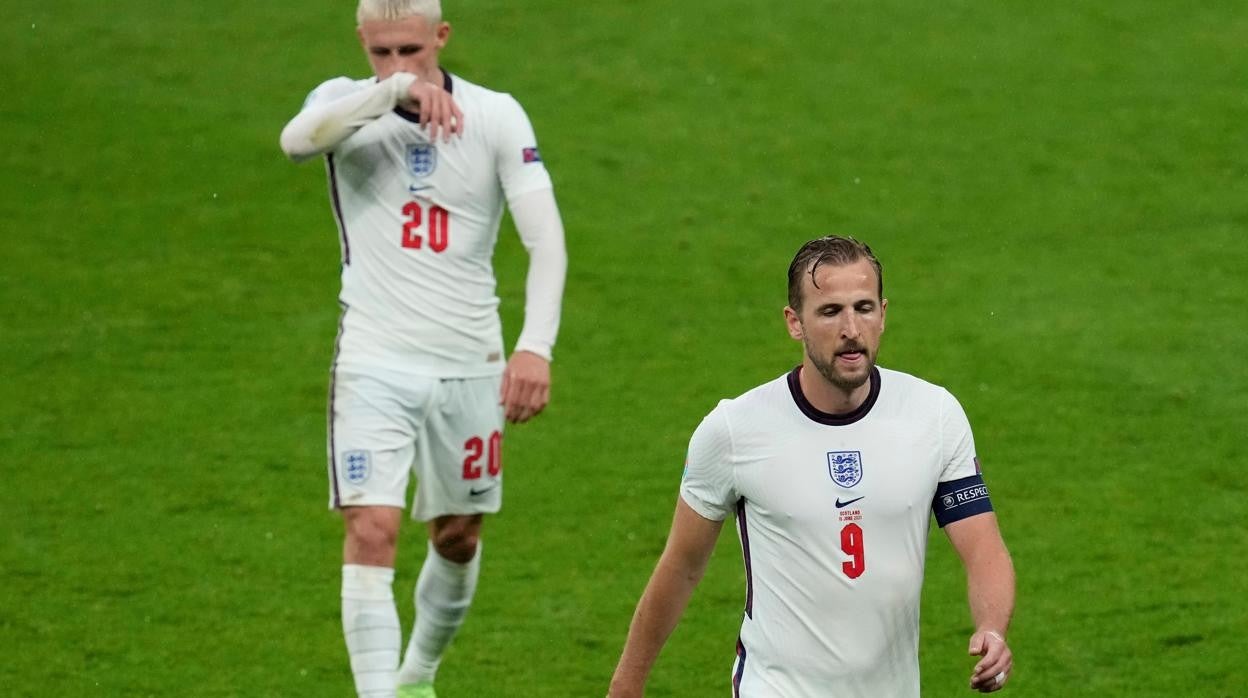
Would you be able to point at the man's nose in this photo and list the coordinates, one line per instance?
(849, 329)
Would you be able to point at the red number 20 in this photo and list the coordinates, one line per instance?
(851, 543)
(439, 227)
(475, 447)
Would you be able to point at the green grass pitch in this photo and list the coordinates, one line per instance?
(1059, 193)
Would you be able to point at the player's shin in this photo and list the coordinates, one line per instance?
(370, 624)
(443, 594)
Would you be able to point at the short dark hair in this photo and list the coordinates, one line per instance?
(832, 249)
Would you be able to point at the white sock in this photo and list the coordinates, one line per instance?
(444, 591)
(370, 624)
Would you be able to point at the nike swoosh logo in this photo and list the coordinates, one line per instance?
(842, 505)
(474, 491)
(414, 188)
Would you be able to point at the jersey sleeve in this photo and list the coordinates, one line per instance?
(708, 486)
(541, 230)
(961, 492)
(957, 443)
(338, 108)
(520, 166)
(331, 90)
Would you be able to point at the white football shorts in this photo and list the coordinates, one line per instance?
(447, 431)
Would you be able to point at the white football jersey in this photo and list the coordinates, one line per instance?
(832, 514)
(418, 221)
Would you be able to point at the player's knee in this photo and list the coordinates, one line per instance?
(457, 543)
(371, 538)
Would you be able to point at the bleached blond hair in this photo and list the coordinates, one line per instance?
(390, 10)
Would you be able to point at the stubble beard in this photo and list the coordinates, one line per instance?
(845, 383)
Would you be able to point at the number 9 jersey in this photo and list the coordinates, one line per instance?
(418, 221)
(833, 513)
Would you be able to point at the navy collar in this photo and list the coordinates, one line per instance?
(835, 420)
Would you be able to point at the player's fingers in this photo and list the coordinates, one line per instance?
(985, 676)
(458, 115)
(519, 413)
(516, 399)
(448, 121)
(994, 683)
(435, 116)
(511, 407)
(530, 398)
(505, 388)
(993, 655)
(438, 118)
(426, 108)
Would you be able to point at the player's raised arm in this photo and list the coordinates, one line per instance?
(990, 588)
(680, 568)
(338, 108)
(329, 116)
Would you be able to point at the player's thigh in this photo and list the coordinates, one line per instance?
(459, 459)
(372, 437)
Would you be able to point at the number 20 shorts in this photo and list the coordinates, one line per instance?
(447, 432)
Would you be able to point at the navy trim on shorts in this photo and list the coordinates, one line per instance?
(333, 394)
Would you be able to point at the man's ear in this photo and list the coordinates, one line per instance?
(794, 323)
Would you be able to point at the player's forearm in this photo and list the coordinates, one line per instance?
(537, 221)
(320, 128)
(990, 589)
(658, 612)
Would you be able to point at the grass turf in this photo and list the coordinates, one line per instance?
(1058, 194)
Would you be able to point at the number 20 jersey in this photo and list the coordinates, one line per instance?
(418, 221)
(832, 514)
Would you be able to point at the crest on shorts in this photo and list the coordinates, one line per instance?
(422, 159)
(845, 467)
(357, 466)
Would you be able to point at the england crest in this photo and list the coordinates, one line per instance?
(845, 467)
(357, 466)
(422, 159)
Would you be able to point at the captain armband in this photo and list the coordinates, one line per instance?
(960, 499)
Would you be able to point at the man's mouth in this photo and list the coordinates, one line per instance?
(851, 354)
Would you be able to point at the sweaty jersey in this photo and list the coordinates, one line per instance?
(418, 221)
(832, 513)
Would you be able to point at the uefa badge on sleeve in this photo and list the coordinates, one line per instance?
(845, 467)
(358, 465)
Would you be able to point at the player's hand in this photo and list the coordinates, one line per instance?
(993, 670)
(526, 386)
(438, 110)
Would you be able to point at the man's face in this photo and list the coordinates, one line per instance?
(840, 322)
(408, 45)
